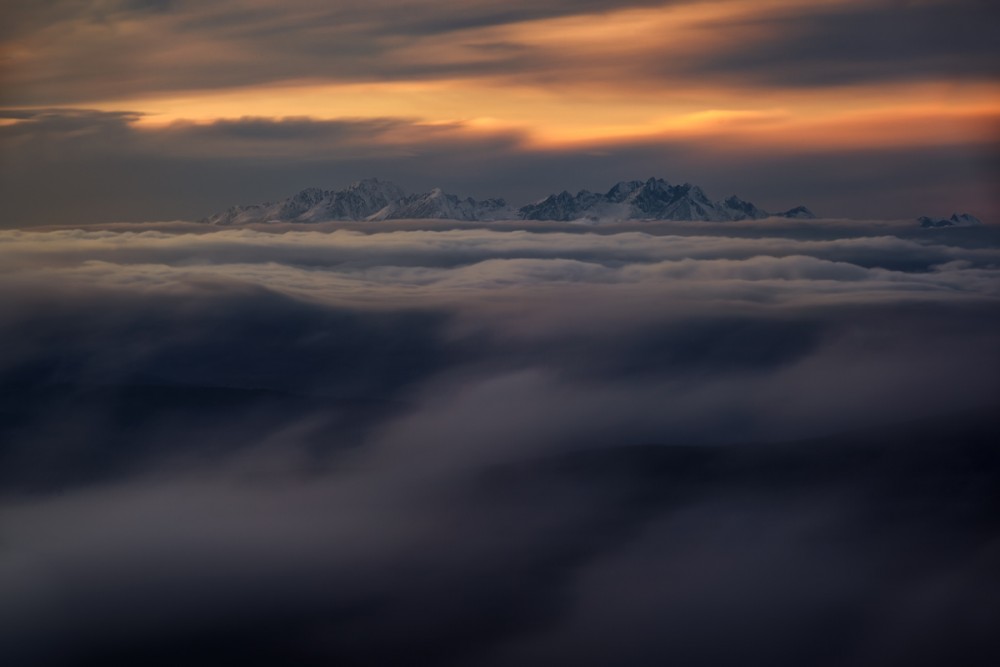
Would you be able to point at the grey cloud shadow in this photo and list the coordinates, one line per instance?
(697, 346)
(190, 379)
(914, 498)
(803, 47)
(347, 41)
(834, 46)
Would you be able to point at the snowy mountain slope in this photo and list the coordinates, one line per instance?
(956, 220)
(439, 205)
(372, 199)
(654, 199)
(369, 199)
(358, 201)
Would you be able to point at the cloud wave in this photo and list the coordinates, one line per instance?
(491, 446)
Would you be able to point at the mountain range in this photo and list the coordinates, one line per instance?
(956, 220)
(373, 199)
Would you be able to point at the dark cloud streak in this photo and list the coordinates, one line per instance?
(801, 46)
(856, 43)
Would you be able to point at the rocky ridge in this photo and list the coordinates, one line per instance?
(372, 199)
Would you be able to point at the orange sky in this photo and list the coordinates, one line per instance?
(781, 76)
(584, 77)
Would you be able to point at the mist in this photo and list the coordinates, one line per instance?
(763, 443)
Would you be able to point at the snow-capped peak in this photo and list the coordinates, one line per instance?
(374, 199)
(956, 220)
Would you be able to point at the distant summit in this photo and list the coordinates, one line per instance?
(654, 199)
(956, 220)
(369, 199)
(372, 199)
(439, 205)
(358, 201)
(799, 212)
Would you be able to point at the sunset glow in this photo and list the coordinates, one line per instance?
(775, 78)
(482, 333)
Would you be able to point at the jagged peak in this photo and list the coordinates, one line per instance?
(798, 212)
(965, 218)
(374, 185)
(956, 220)
(376, 199)
(364, 182)
(622, 189)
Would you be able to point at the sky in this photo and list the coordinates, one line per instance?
(124, 110)
(764, 442)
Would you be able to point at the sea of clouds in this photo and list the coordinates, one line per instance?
(499, 444)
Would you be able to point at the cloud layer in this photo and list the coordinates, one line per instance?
(494, 446)
(59, 47)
